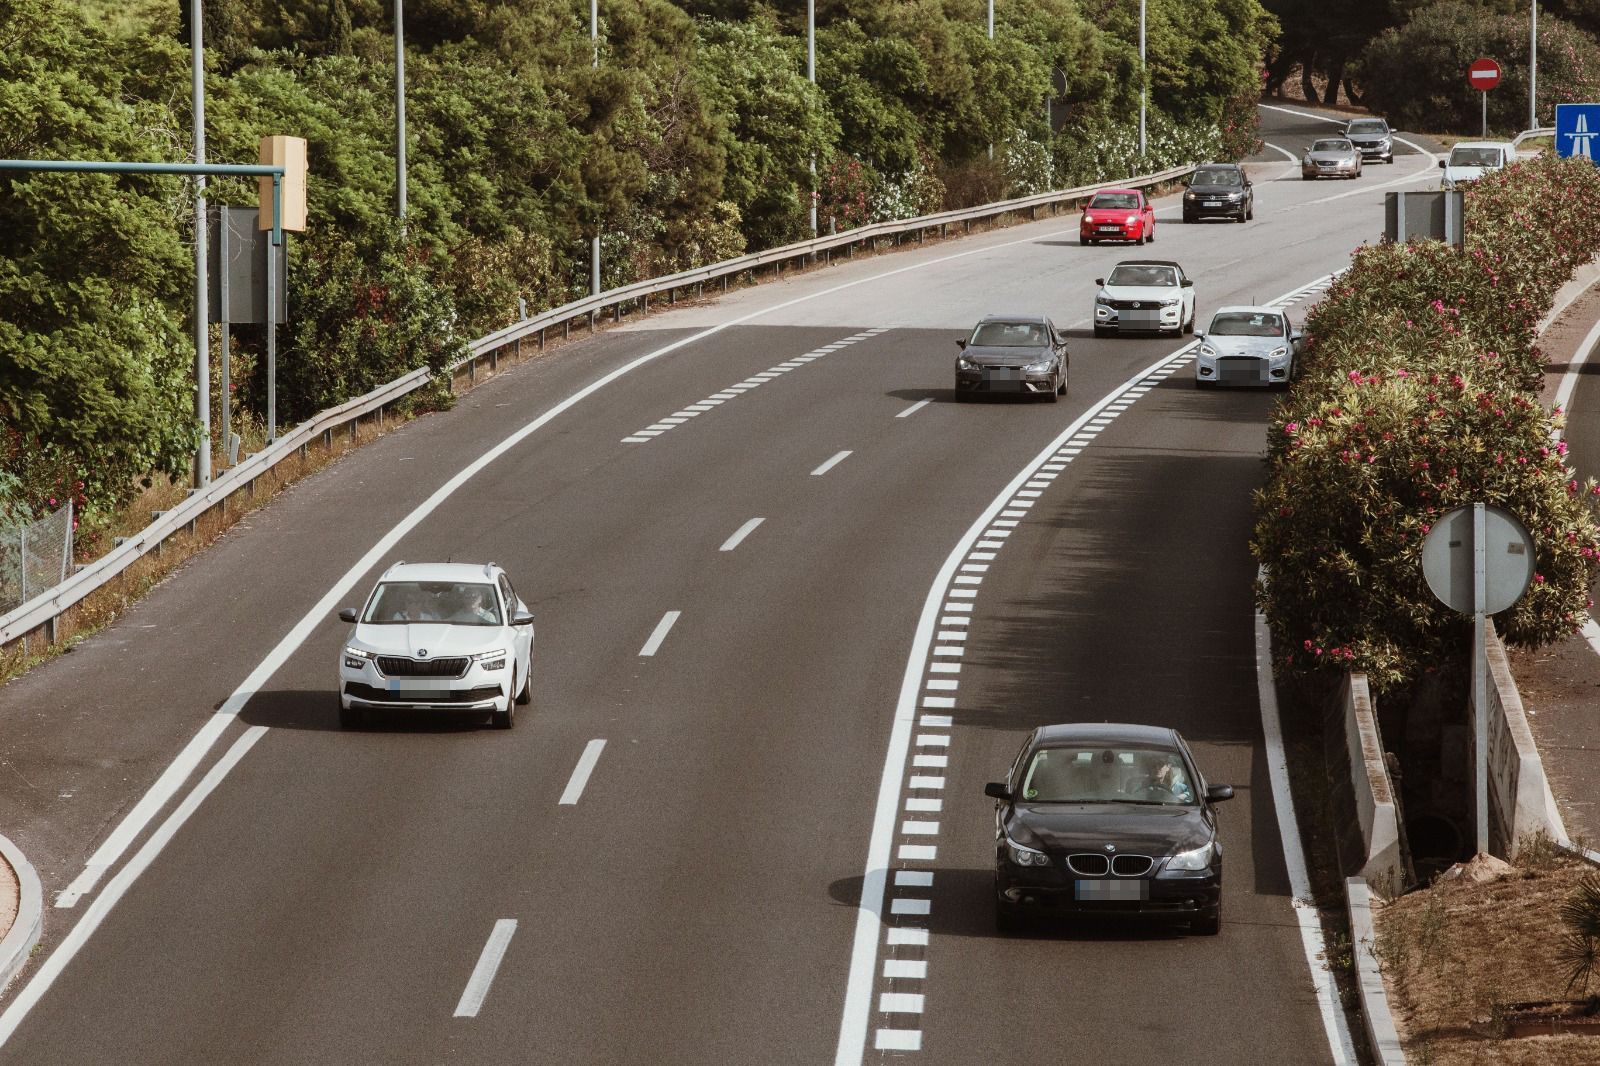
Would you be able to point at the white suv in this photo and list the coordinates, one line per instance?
(449, 637)
(1144, 294)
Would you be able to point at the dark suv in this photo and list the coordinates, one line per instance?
(1372, 138)
(1219, 190)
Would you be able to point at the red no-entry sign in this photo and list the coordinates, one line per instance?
(1484, 74)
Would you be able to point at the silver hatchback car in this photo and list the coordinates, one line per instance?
(1247, 345)
(1331, 157)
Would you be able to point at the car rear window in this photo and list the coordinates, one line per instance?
(1009, 335)
(1216, 177)
(1115, 201)
(458, 603)
(1246, 324)
(1144, 276)
(1118, 774)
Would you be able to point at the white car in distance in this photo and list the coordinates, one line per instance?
(1471, 160)
(438, 637)
(1144, 294)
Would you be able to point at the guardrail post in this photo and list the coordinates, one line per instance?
(519, 354)
(494, 359)
(327, 438)
(724, 283)
(355, 429)
(541, 339)
(591, 321)
(472, 369)
(672, 297)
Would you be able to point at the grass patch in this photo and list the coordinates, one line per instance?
(1453, 953)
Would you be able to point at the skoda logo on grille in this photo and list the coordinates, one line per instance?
(422, 653)
(1111, 847)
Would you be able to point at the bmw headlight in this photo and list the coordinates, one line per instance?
(1198, 859)
(356, 658)
(492, 660)
(1025, 856)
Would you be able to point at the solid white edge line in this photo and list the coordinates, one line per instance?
(1279, 148)
(659, 634)
(580, 773)
(1569, 380)
(494, 952)
(913, 409)
(830, 464)
(854, 1022)
(1306, 915)
(739, 534)
(70, 945)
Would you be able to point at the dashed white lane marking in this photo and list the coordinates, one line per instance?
(580, 773)
(830, 464)
(740, 533)
(664, 626)
(913, 409)
(926, 684)
(732, 391)
(494, 952)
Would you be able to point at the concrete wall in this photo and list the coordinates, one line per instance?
(1385, 863)
(1520, 801)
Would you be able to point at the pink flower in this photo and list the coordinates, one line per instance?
(1291, 427)
(1538, 579)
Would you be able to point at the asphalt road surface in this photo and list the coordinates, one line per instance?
(689, 890)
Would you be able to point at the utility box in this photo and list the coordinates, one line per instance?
(238, 265)
(1422, 216)
(290, 154)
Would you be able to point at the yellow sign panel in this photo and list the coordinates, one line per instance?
(290, 154)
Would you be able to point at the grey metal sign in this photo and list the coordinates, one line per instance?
(238, 268)
(1447, 559)
(1429, 215)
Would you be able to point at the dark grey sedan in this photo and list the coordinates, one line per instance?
(1019, 354)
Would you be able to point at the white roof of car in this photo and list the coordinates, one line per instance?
(1248, 309)
(465, 573)
(1481, 144)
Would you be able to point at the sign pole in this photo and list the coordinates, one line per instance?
(1480, 672)
(225, 253)
(272, 307)
(1485, 95)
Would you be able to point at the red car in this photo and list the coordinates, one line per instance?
(1118, 215)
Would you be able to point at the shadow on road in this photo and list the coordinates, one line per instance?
(314, 710)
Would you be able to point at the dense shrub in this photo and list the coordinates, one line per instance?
(1418, 393)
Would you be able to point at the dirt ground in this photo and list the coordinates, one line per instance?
(1452, 952)
(8, 898)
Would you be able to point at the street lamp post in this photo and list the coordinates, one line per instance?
(1533, 65)
(991, 37)
(811, 76)
(202, 309)
(1144, 92)
(594, 245)
(400, 111)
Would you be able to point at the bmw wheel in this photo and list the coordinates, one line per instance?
(1207, 923)
(1006, 919)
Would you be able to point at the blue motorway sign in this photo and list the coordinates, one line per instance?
(1577, 125)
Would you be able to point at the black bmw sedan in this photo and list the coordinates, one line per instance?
(1107, 819)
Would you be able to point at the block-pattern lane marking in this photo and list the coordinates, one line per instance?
(494, 952)
(771, 374)
(894, 911)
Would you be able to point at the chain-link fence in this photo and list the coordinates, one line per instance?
(34, 558)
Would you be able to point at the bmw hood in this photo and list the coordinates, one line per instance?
(430, 640)
(1258, 346)
(1008, 356)
(1143, 829)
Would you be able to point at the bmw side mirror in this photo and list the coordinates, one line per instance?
(1218, 793)
(347, 614)
(962, 344)
(522, 618)
(997, 790)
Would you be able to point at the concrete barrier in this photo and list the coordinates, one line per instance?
(1520, 801)
(1383, 1039)
(1385, 864)
(17, 944)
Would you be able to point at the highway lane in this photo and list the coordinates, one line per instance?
(336, 890)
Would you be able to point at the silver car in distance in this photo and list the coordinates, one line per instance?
(1247, 345)
(1331, 157)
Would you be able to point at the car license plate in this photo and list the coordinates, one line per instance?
(420, 687)
(1242, 370)
(1112, 890)
(1005, 373)
(1110, 229)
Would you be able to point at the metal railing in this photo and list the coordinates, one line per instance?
(42, 611)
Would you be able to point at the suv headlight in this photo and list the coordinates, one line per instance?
(1103, 300)
(1174, 302)
(1236, 196)
(1191, 195)
(1198, 859)
(491, 660)
(1025, 856)
(357, 658)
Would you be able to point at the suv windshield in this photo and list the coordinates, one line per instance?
(1009, 335)
(1115, 201)
(1246, 324)
(1367, 126)
(1107, 775)
(1331, 146)
(1474, 157)
(1144, 276)
(1216, 177)
(403, 602)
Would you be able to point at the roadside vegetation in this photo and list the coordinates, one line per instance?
(1418, 392)
(690, 141)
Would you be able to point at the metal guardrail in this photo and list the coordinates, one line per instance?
(45, 609)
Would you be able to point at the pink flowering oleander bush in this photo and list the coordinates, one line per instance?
(1417, 393)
